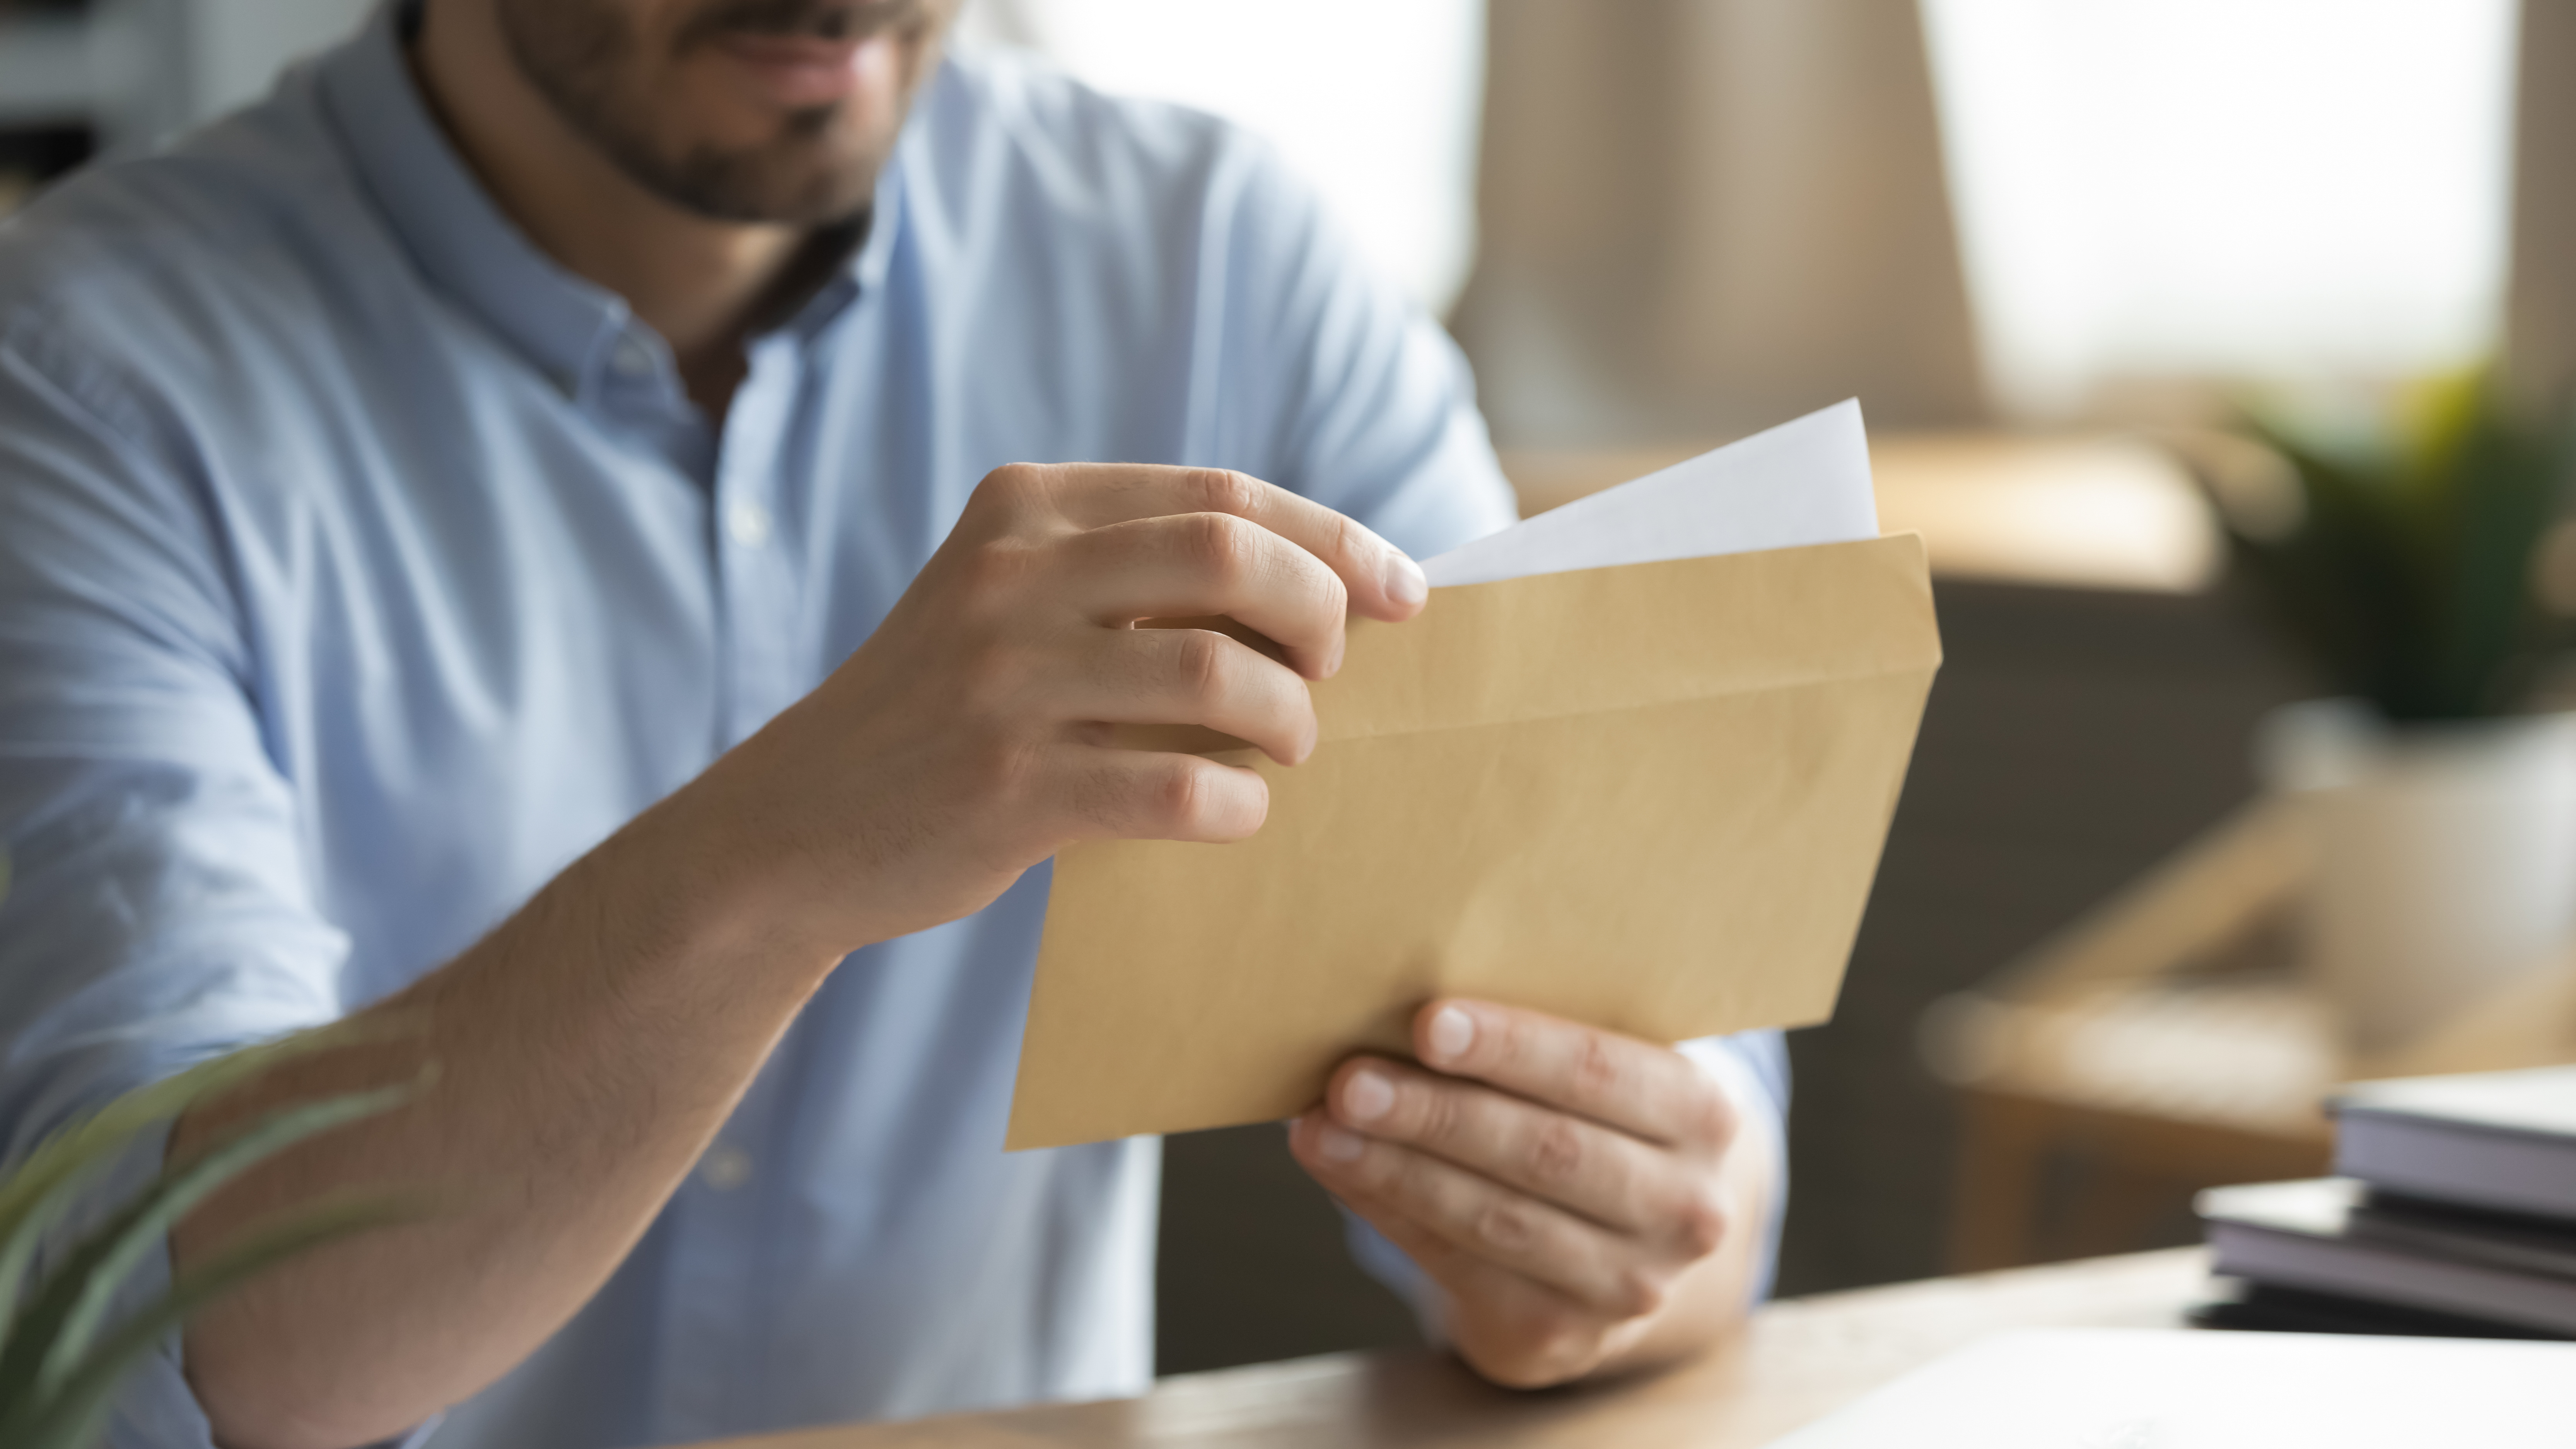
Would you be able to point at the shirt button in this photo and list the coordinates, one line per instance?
(748, 522)
(632, 358)
(725, 1167)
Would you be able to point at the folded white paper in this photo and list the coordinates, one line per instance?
(1803, 482)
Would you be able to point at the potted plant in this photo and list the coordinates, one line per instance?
(2404, 540)
(63, 1349)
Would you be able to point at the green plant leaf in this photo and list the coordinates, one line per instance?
(76, 1413)
(2409, 576)
(190, 1185)
(50, 1181)
(69, 1307)
(44, 1187)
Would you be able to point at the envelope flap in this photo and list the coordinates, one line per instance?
(1598, 640)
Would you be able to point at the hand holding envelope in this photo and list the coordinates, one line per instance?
(1622, 771)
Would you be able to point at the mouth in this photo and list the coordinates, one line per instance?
(800, 54)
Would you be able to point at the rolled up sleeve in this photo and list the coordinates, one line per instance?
(159, 911)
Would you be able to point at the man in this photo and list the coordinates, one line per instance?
(524, 533)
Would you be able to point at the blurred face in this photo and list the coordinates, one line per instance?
(741, 110)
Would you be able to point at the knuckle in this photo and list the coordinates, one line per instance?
(1437, 1117)
(1223, 545)
(1596, 1072)
(1202, 662)
(1638, 1292)
(1010, 486)
(1177, 795)
(1566, 1343)
(1556, 1155)
(994, 569)
(1385, 1174)
(1505, 1225)
(1348, 545)
(1700, 1220)
(1376, 1174)
(1706, 1113)
(1222, 490)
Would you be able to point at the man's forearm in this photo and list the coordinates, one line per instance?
(586, 1052)
(590, 1048)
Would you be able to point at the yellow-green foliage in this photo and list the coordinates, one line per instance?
(61, 1352)
(2403, 556)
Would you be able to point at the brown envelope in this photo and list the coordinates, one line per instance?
(1650, 797)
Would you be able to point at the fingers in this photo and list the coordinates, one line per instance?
(1192, 564)
(1638, 1087)
(1517, 1331)
(1198, 677)
(1382, 582)
(1604, 1271)
(1607, 1177)
(1152, 795)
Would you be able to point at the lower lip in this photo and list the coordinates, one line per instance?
(797, 71)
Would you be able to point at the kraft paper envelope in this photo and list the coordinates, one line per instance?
(1649, 796)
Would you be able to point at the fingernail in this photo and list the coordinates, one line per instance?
(1367, 1095)
(1452, 1032)
(1404, 581)
(1336, 1145)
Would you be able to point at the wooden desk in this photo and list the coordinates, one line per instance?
(1796, 1362)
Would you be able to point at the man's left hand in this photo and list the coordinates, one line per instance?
(1571, 1191)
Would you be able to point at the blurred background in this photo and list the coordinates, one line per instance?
(2046, 243)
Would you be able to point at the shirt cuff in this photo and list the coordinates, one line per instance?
(1754, 1067)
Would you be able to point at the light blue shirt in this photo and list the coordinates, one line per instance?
(360, 568)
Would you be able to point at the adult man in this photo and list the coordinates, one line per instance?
(548, 475)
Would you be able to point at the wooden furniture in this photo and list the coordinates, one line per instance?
(2166, 1042)
(1795, 1362)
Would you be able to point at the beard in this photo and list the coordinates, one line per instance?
(591, 65)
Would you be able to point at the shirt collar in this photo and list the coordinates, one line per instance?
(570, 327)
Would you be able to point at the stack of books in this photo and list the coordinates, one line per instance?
(2453, 1212)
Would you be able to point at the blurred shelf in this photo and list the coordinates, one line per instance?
(2067, 511)
(2167, 1042)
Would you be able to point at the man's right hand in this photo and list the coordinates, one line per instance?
(969, 738)
(594, 1042)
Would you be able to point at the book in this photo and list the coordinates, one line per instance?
(2112, 1388)
(2327, 1236)
(2480, 1235)
(2240, 1303)
(2504, 1140)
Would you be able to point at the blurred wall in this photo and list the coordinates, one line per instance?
(161, 66)
(1701, 217)
(2540, 320)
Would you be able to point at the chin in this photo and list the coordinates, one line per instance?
(800, 168)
